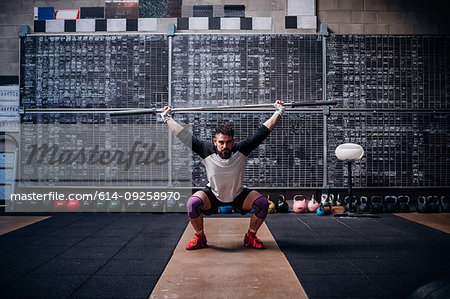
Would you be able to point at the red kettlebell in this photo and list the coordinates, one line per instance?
(313, 205)
(300, 204)
(73, 205)
(60, 205)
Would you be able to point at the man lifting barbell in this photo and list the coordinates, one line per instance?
(225, 162)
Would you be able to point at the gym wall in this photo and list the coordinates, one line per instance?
(341, 16)
(392, 97)
(385, 62)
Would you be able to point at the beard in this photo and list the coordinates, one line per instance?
(225, 154)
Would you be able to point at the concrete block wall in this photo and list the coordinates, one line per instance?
(385, 16)
(342, 16)
(16, 13)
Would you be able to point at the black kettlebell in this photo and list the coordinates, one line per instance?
(390, 203)
(20, 206)
(445, 206)
(377, 204)
(282, 205)
(364, 206)
(422, 204)
(354, 203)
(327, 207)
(131, 206)
(403, 203)
(47, 205)
(433, 203)
(324, 209)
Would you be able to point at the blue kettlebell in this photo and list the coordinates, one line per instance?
(320, 211)
(226, 209)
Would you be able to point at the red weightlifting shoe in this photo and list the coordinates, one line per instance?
(199, 241)
(251, 240)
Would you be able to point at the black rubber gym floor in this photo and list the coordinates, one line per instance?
(89, 255)
(123, 255)
(361, 257)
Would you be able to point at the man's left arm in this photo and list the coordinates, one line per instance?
(273, 120)
(249, 144)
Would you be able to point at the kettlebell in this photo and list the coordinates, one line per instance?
(299, 204)
(34, 206)
(403, 203)
(282, 205)
(60, 205)
(144, 206)
(87, 205)
(21, 205)
(422, 204)
(226, 209)
(326, 199)
(47, 206)
(171, 205)
(327, 207)
(101, 206)
(114, 206)
(324, 209)
(331, 199)
(131, 206)
(364, 206)
(445, 206)
(313, 205)
(354, 203)
(377, 204)
(433, 204)
(271, 209)
(156, 206)
(320, 211)
(73, 205)
(390, 203)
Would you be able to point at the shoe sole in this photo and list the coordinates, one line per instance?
(203, 246)
(250, 246)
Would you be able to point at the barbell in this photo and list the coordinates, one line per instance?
(218, 108)
(134, 111)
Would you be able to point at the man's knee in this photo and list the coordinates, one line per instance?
(194, 206)
(261, 206)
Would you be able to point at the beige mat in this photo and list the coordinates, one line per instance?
(227, 269)
(439, 221)
(10, 223)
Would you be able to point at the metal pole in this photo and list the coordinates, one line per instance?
(325, 152)
(350, 197)
(325, 115)
(169, 100)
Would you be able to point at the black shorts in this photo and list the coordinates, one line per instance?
(236, 203)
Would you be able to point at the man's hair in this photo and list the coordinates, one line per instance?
(225, 130)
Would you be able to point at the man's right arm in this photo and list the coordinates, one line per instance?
(178, 130)
(166, 115)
